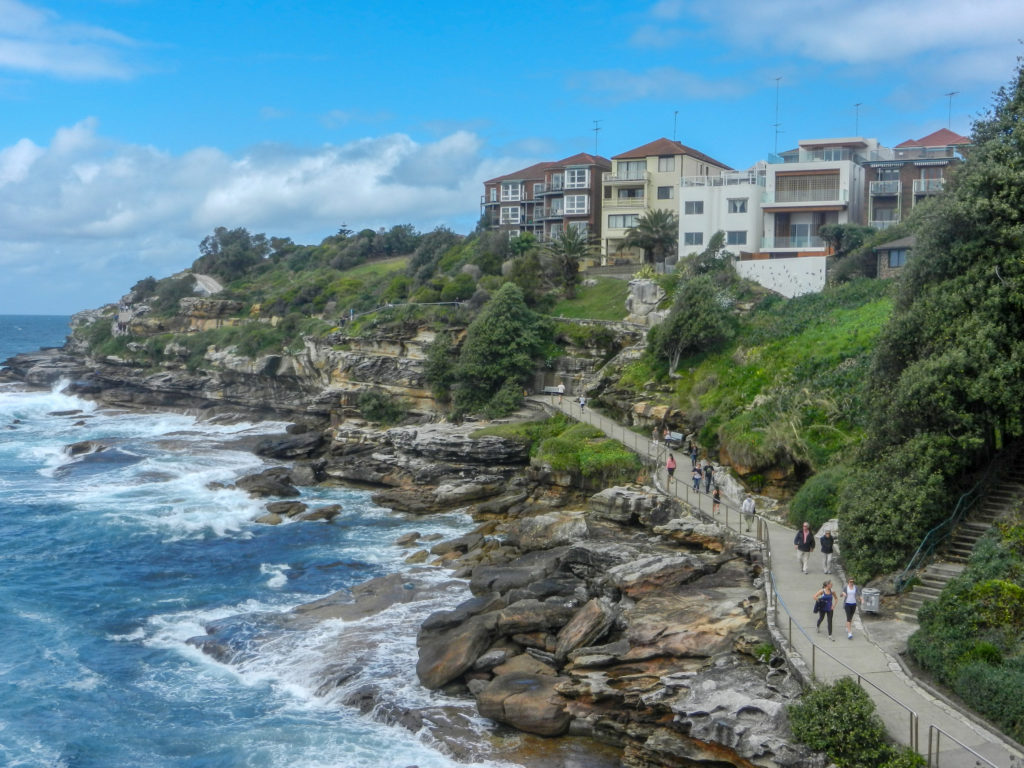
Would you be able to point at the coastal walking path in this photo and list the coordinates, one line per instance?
(948, 738)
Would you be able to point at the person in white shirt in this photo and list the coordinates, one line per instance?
(850, 600)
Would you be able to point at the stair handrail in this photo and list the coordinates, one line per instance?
(945, 529)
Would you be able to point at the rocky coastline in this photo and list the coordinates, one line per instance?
(619, 617)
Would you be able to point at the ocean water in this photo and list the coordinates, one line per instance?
(110, 562)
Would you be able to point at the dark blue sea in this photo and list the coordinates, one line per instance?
(111, 561)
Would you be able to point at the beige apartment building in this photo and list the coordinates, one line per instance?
(643, 179)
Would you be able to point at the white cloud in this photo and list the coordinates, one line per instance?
(88, 211)
(40, 41)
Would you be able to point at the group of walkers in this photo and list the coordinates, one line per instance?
(825, 599)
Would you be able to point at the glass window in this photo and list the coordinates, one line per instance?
(631, 169)
(576, 204)
(693, 207)
(494, 194)
(511, 191)
(577, 178)
(737, 205)
(538, 189)
(736, 237)
(666, 163)
(580, 226)
(897, 257)
(631, 193)
(622, 220)
(510, 214)
(665, 193)
(887, 174)
(693, 238)
(556, 181)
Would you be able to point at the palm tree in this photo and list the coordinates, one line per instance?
(656, 233)
(566, 250)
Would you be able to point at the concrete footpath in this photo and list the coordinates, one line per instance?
(914, 717)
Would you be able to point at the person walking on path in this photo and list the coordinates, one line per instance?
(825, 604)
(654, 437)
(561, 391)
(583, 403)
(827, 548)
(694, 453)
(696, 478)
(748, 510)
(850, 600)
(670, 466)
(716, 501)
(709, 475)
(804, 543)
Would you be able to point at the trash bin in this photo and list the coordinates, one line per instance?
(870, 599)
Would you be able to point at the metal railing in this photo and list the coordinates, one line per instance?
(928, 186)
(732, 517)
(884, 187)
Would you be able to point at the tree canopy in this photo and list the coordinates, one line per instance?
(656, 233)
(948, 374)
(566, 251)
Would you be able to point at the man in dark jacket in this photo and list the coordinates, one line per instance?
(827, 548)
(804, 543)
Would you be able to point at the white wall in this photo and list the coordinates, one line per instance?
(790, 277)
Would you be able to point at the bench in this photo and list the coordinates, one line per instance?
(550, 390)
(675, 439)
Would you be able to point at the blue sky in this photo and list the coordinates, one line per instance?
(129, 129)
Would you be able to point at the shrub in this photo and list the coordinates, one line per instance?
(818, 499)
(840, 720)
(377, 405)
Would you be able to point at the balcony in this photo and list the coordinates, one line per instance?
(794, 241)
(546, 214)
(725, 180)
(636, 203)
(879, 188)
(807, 195)
(883, 223)
(928, 186)
(549, 189)
(628, 178)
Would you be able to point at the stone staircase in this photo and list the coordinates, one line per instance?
(995, 501)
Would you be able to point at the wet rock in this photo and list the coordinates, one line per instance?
(286, 508)
(270, 482)
(446, 656)
(324, 513)
(84, 447)
(299, 446)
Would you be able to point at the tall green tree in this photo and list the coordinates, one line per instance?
(699, 319)
(947, 382)
(566, 251)
(230, 253)
(656, 233)
(498, 356)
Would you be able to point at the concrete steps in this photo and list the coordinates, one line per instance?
(996, 501)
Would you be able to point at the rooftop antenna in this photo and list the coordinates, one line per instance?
(777, 124)
(949, 116)
(597, 129)
(856, 120)
(675, 122)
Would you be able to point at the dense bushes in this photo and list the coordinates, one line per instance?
(839, 719)
(380, 406)
(818, 498)
(972, 638)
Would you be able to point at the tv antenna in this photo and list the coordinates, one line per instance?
(597, 130)
(777, 125)
(949, 114)
(675, 122)
(856, 119)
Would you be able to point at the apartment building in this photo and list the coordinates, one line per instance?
(643, 179)
(899, 178)
(547, 198)
(729, 202)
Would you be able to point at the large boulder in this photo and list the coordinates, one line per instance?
(586, 627)
(446, 656)
(270, 482)
(529, 702)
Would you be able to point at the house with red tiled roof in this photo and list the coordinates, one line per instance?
(897, 179)
(547, 198)
(644, 179)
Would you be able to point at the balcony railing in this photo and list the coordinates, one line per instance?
(928, 186)
(808, 196)
(633, 178)
(625, 202)
(725, 180)
(550, 213)
(885, 187)
(793, 241)
(549, 189)
(883, 223)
